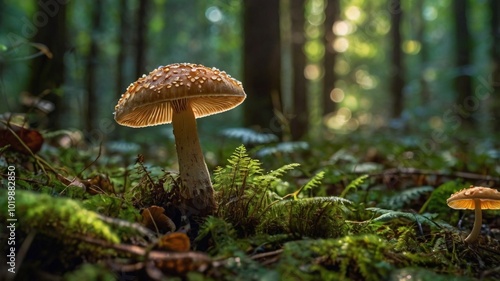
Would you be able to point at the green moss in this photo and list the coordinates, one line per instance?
(363, 257)
(90, 272)
(56, 217)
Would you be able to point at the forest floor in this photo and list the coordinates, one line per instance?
(371, 210)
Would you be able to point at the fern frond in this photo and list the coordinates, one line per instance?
(244, 190)
(399, 199)
(219, 231)
(389, 215)
(354, 184)
(273, 176)
(315, 181)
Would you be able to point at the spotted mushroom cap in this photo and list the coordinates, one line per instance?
(464, 199)
(150, 100)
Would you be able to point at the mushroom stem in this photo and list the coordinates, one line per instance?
(478, 220)
(196, 185)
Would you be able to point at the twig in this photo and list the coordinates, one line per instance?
(266, 254)
(137, 227)
(179, 262)
(268, 257)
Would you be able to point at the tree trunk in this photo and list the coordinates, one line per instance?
(463, 81)
(122, 43)
(299, 118)
(261, 63)
(332, 14)
(47, 74)
(140, 44)
(92, 63)
(425, 95)
(495, 57)
(398, 74)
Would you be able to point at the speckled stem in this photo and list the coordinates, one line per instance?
(478, 221)
(196, 185)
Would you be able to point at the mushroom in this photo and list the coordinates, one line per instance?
(476, 198)
(178, 94)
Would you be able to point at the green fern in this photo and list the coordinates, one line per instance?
(315, 181)
(437, 201)
(221, 233)
(389, 215)
(398, 200)
(353, 185)
(244, 190)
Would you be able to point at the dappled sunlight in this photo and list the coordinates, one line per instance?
(337, 95)
(341, 45)
(342, 28)
(411, 47)
(353, 13)
(312, 72)
(214, 14)
(365, 80)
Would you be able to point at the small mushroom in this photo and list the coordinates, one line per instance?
(178, 94)
(477, 199)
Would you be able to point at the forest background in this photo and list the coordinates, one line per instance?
(313, 70)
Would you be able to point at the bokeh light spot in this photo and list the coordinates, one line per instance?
(337, 95)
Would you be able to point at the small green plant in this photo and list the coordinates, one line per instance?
(244, 190)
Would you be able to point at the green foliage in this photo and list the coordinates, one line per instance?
(353, 185)
(363, 257)
(90, 272)
(247, 200)
(310, 217)
(149, 186)
(112, 206)
(437, 201)
(389, 215)
(56, 217)
(312, 183)
(244, 190)
(402, 198)
(422, 274)
(221, 233)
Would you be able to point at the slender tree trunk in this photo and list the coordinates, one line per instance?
(47, 74)
(332, 14)
(398, 74)
(463, 81)
(495, 57)
(425, 97)
(91, 68)
(261, 63)
(122, 43)
(140, 44)
(299, 118)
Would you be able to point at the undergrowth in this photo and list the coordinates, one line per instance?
(269, 225)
